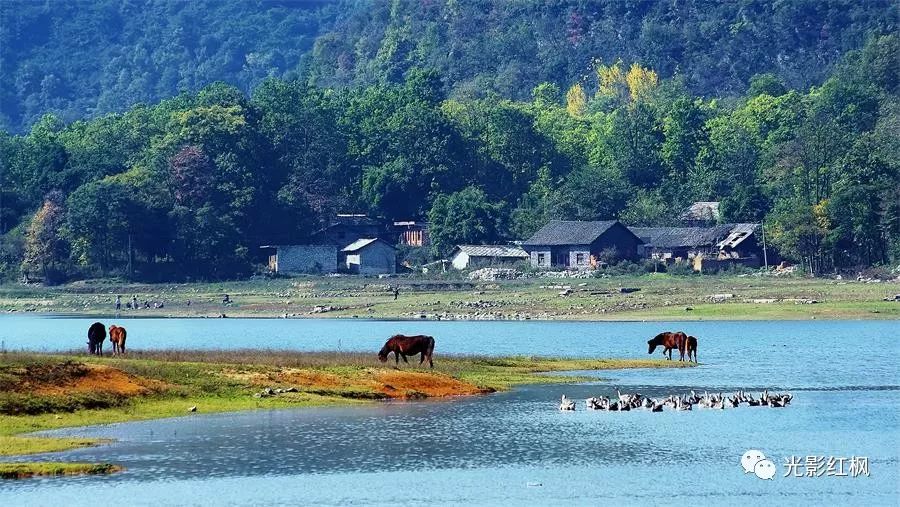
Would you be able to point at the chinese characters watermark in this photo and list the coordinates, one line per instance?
(755, 462)
(831, 466)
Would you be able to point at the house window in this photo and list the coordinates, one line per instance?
(579, 259)
(541, 259)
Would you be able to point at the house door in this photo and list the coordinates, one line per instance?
(560, 258)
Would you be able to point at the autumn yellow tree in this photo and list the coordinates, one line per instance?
(45, 247)
(641, 81)
(576, 100)
(623, 87)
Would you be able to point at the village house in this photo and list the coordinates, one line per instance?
(300, 259)
(411, 233)
(580, 245)
(369, 256)
(350, 243)
(471, 256)
(715, 246)
(347, 228)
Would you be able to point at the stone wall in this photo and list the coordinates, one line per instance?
(306, 259)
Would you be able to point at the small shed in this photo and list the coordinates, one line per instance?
(302, 259)
(468, 256)
(369, 256)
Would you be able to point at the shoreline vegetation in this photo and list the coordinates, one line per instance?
(625, 298)
(51, 391)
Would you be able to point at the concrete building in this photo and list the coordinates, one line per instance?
(579, 245)
(302, 259)
(471, 256)
(369, 256)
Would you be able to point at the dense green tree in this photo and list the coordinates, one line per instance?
(464, 217)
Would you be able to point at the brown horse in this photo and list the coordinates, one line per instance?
(668, 341)
(117, 337)
(691, 345)
(96, 335)
(403, 346)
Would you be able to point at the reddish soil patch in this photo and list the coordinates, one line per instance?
(406, 384)
(313, 378)
(390, 383)
(67, 378)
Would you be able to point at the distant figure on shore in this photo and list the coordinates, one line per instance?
(134, 305)
(96, 335)
(226, 300)
(118, 303)
(117, 337)
(189, 302)
(396, 292)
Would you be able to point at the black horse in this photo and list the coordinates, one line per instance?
(96, 335)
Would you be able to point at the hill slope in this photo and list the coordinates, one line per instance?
(81, 59)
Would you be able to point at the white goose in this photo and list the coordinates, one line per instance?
(566, 404)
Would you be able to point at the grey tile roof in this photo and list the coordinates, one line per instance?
(691, 237)
(738, 234)
(493, 251)
(565, 232)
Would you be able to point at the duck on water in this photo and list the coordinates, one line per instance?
(629, 401)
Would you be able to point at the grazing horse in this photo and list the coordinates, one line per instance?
(668, 341)
(96, 335)
(117, 337)
(691, 345)
(403, 346)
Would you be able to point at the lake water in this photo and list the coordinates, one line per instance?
(510, 448)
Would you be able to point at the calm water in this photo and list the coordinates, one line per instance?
(495, 450)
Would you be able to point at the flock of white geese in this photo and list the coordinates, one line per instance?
(636, 401)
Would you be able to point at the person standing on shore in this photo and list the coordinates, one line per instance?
(134, 302)
(118, 304)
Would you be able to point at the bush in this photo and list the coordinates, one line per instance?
(414, 255)
(681, 269)
(621, 269)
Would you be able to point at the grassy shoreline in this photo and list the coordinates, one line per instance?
(657, 297)
(44, 391)
(52, 469)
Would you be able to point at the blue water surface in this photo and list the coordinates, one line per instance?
(512, 448)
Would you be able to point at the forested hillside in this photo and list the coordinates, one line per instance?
(190, 187)
(83, 58)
